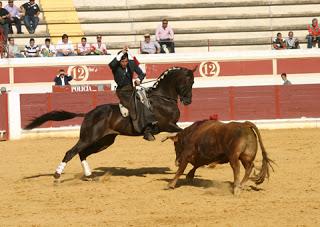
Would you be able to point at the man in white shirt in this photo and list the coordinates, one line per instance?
(148, 46)
(65, 47)
(15, 15)
(47, 50)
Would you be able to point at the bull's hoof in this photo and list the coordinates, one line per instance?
(169, 187)
(236, 191)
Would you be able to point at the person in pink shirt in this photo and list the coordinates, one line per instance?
(83, 47)
(165, 36)
(314, 33)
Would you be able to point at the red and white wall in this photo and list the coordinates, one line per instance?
(231, 85)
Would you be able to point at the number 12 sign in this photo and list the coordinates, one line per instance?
(209, 68)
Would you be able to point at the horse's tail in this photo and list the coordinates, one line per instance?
(266, 161)
(52, 116)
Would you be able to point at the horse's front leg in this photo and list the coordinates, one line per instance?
(173, 127)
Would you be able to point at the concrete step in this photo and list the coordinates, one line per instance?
(199, 14)
(104, 5)
(204, 26)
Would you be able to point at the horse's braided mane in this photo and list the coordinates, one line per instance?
(164, 74)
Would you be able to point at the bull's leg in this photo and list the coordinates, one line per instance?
(182, 167)
(68, 156)
(190, 175)
(248, 165)
(235, 164)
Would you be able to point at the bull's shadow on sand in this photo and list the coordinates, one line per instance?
(123, 171)
(216, 187)
(201, 183)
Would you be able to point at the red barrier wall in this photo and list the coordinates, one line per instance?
(34, 105)
(229, 103)
(4, 76)
(206, 68)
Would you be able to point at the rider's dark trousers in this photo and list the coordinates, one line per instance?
(140, 115)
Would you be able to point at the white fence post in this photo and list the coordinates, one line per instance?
(14, 115)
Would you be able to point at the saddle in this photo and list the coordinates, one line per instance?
(141, 94)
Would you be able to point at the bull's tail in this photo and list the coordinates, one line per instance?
(52, 116)
(266, 161)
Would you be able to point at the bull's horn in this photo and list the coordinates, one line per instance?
(171, 135)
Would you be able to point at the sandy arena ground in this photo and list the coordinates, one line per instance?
(133, 175)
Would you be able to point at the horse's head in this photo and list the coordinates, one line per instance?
(176, 81)
(185, 80)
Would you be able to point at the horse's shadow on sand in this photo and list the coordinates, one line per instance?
(116, 171)
(123, 171)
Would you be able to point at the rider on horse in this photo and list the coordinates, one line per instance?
(123, 68)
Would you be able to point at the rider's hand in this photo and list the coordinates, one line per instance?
(125, 49)
(137, 82)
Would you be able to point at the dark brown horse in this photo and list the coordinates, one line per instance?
(102, 124)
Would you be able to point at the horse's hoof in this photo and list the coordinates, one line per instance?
(89, 178)
(56, 175)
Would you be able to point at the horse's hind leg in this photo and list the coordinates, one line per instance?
(100, 145)
(68, 156)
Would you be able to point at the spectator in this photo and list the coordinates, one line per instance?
(4, 17)
(99, 48)
(65, 47)
(32, 50)
(292, 42)
(13, 49)
(62, 78)
(14, 18)
(165, 36)
(279, 43)
(31, 13)
(314, 33)
(84, 47)
(285, 80)
(148, 46)
(47, 50)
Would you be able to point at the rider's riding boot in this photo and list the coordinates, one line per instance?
(148, 135)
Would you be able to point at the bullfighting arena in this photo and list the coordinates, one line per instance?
(133, 174)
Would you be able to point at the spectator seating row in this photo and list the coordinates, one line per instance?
(223, 24)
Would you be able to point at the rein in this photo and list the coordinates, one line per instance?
(150, 81)
(163, 97)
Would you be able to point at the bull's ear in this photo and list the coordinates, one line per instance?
(173, 137)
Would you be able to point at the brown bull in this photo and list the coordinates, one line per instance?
(210, 141)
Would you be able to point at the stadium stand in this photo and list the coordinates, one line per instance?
(199, 25)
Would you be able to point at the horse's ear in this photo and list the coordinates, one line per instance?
(194, 69)
(173, 137)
